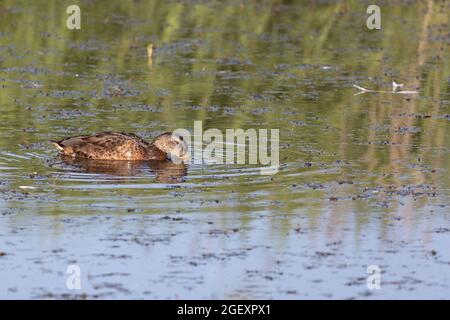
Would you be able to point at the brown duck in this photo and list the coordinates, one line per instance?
(123, 146)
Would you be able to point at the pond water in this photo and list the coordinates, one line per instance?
(363, 179)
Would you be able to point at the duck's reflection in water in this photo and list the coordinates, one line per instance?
(165, 171)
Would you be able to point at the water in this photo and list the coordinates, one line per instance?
(363, 178)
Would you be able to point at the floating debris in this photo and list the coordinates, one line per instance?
(396, 86)
(150, 54)
(27, 187)
(395, 89)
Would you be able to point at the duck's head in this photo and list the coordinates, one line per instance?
(173, 145)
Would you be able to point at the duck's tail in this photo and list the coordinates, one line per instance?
(57, 145)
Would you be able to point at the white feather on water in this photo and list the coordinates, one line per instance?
(395, 86)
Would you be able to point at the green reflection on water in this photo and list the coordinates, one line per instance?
(231, 65)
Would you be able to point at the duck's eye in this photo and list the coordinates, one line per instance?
(181, 138)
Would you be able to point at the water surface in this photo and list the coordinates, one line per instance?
(364, 178)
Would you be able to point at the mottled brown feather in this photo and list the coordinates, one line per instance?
(109, 146)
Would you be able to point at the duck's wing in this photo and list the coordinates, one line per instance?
(104, 145)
